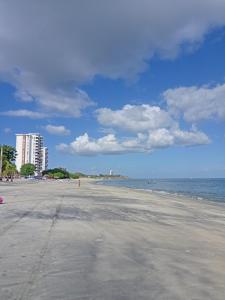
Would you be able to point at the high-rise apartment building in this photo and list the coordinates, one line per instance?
(44, 158)
(29, 149)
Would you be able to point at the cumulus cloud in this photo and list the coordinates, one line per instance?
(57, 130)
(150, 127)
(48, 47)
(190, 138)
(197, 103)
(135, 118)
(109, 144)
(162, 138)
(83, 145)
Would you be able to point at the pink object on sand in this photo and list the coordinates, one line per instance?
(1, 200)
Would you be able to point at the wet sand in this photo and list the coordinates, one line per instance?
(58, 241)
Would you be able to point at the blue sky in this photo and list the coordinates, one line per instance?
(140, 96)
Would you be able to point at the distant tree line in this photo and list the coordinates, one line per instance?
(61, 173)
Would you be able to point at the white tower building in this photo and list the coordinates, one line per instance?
(44, 158)
(29, 150)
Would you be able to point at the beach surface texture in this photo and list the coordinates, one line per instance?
(59, 241)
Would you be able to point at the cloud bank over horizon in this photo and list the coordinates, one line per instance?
(143, 143)
(151, 128)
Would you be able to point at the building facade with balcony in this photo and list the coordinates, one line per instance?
(29, 149)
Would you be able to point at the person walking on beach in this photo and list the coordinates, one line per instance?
(79, 183)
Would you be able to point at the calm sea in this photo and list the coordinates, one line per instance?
(211, 189)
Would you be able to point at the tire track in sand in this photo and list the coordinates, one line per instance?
(10, 226)
(26, 290)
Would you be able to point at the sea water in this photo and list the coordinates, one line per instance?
(210, 188)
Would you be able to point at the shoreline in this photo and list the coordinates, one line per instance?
(167, 193)
(162, 194)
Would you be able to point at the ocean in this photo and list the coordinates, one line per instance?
(211, 189)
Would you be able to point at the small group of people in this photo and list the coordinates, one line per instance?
(7, 178)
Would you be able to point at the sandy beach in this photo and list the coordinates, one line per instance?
(58, 241)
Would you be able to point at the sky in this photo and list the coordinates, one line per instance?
(137, 87)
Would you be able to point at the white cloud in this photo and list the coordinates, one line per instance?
(62, 103)
(152, 128)
(161, 138)
(197, 103)
(7, 130)
(135, 118)
(47, 47)
(53, 103)
(109, 144)
(57, 130)
(190, 138)
(24, 113)
(83, 145)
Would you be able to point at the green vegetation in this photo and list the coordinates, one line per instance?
(9, 169)
(27, 170)
(77, 175)
(9, 153)
(56, 173)
(9, 156)
(74, 176)
(61, 173)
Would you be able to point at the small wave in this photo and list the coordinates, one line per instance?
(163, 192)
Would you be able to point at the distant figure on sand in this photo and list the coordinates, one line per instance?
(79, 183)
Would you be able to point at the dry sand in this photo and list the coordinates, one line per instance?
(58, 241)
